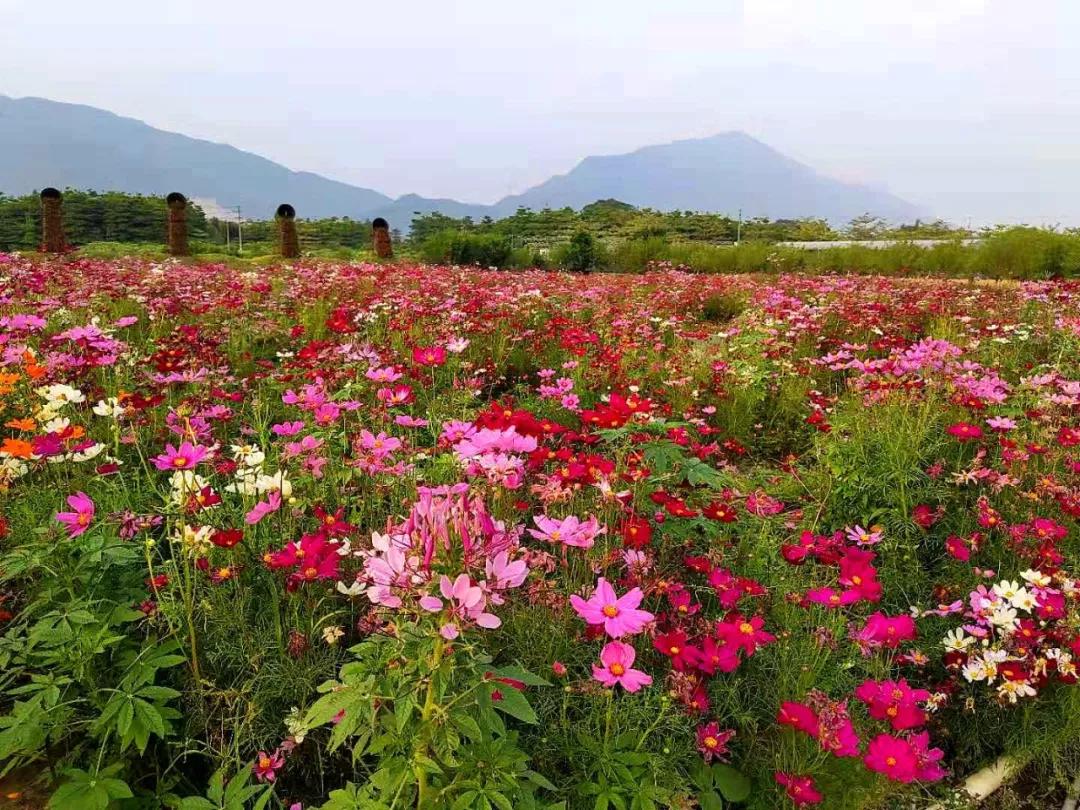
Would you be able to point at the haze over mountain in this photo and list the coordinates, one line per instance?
(45, 143)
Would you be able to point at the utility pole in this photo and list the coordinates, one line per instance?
(239, 232)
(738, 230)
(228, 235)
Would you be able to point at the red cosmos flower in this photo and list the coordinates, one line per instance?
(924, 515)
(886, 631)
(1068, 437)
(636, 532)
(716, 655)
(722, 511)
(798, 716)
(676, 647)
(964, 431)
(894, 701)
(314, 558)
(893, 757)
(712, 742)
(340, 322)
(430, 356)
(745, 634)
(682, 603)
(958, 548)
(857, 574)
(331, 524)
(226, 538)
(800, 789)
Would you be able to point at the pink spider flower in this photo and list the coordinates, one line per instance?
(618, 614)
(616, 667)
(467, 601)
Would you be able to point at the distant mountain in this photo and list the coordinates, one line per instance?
(722, 173)
(45, 143)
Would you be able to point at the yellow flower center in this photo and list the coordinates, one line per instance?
(746, 628)
(617, 669)
(611, 611)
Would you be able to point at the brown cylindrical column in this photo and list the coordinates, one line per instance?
(52, 221)
(380, 238)
(288, 240)
(178, 241)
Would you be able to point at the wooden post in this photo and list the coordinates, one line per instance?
(380, 238)
(52, 221)
(288, 240)
(178, 241)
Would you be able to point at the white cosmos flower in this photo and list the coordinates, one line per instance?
(110, 407)
(59, 395)
(1006, 589)
(956, 641)
(1036, 578)
(1013, 690)
(1004, 617)
(1024, 600)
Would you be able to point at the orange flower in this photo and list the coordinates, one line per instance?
(21, 424)
(17, 448)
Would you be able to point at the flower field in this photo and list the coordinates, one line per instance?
(401, 536)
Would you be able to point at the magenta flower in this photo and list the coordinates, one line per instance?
(712, 742)
(266, 766)
(184, 457)
(893, 757)
(617, 659)
(618, 614)
(800, 789)
(79, 521)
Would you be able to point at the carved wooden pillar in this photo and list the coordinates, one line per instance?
(288, 240)
(178, 240)
(380, 238)
(52, 221)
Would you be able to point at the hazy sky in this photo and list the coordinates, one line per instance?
(970, 108)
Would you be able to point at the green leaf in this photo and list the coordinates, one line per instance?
(731, 783)
(709, 800)
(513, 703)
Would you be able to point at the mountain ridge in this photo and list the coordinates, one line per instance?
(44, 142)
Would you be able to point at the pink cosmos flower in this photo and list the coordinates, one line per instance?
(570, 531)
(184, 457)
(617, 660)
(800, 789)
(79, 521)
(263, 508)
(618, 614)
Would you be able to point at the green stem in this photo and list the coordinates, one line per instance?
(422, 747)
